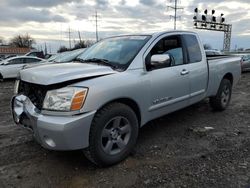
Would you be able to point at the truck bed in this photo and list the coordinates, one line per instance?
(220, 65)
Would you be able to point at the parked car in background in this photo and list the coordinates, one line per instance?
(9, 56)
(47, 56)
(213, 52)
(68, 56)
(52, 58)
(10, 67)
(245, 62)
(63, 57)
(39, 54)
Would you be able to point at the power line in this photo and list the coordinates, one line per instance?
(175, 11)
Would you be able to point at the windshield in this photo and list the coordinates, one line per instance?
(68, 56)
(118, 51)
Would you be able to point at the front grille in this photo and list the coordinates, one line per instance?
(35, 92)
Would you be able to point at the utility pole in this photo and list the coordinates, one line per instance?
(80, 38)
(175, 12)
(96, 31)
(45, 49)
(96, 17)
(69, 35)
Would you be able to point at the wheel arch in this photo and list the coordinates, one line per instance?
(129, 102)
(229, 76)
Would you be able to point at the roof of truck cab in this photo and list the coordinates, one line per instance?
(171, 31)
(155, 34)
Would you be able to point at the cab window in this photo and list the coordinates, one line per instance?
(193, 48)
(169, 45)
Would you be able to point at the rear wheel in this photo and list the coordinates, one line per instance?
(223, 96)
(113, 134)
(1, 77)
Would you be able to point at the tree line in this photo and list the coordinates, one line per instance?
(20, 41)
(78, 45)
(26, 41)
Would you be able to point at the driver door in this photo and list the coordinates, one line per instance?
(170, 87)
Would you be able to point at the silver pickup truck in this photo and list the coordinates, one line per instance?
(99, 102)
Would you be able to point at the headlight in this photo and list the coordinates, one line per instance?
(16, 86)
(65, 99)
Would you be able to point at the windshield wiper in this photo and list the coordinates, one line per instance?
(99, 61)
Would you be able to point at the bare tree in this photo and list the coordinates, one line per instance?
(80, 44)
(62, 49)
(83, 44)
(22, 41)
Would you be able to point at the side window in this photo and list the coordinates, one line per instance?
(193, 48)
(31, 60)
(16, 61)
(169, 45)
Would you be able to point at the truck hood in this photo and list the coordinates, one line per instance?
(57, 73)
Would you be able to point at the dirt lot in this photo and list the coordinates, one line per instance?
(173, 151)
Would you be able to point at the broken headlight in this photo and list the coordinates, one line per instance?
(65, 99)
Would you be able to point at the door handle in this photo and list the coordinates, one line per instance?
(184, 72)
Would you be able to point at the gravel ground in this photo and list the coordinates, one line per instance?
(173, 151)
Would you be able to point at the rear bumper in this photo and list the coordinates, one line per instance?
(52, 132)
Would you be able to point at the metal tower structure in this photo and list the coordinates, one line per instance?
(212, 23)
(227, 38)
(175, 8)
(96, 19)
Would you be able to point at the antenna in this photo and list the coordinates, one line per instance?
(175, 12)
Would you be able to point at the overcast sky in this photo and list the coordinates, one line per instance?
(48, 20)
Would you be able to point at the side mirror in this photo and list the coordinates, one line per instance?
(160, 61)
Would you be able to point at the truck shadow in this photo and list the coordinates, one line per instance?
(156, 133)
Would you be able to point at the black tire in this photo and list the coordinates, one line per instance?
(106, 150)
(1, 78)
(222, 99)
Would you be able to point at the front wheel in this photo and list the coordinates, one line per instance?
(223, 96)
(113, 134)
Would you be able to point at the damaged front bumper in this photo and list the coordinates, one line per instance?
(52, 131)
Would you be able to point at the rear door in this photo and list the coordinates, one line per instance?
(13, 67)
(197, 67)
(169, 88)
